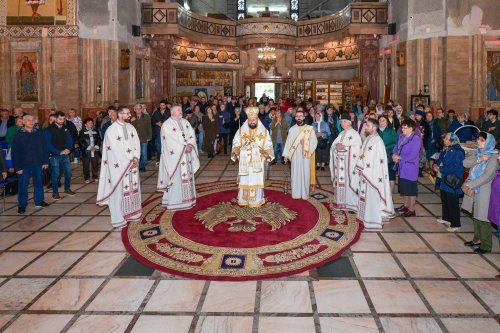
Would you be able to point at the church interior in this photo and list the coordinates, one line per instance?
(64, 268)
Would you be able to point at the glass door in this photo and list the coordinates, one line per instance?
(308, 90)
(322, 92)
(336, 94)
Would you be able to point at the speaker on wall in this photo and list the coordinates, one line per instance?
(136, 30)
(391, 28)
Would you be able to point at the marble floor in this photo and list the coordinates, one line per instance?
(63, 269)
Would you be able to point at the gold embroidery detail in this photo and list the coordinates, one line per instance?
(292, 254)
(178, 253)
(243, 218)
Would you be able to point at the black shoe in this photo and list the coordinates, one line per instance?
(480, 251)
(283, 162)
(317, 168)
(322, 168)
(471, 244)
(42, 204)
(21, 210)
(273, 163)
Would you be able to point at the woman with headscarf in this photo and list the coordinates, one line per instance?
(483, 165)
(450, 171)
(322, 132)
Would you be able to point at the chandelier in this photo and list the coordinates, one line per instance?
(266, 56)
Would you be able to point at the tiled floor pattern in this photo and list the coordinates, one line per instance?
(58, 273)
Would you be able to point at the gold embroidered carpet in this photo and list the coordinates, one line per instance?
(219, 240)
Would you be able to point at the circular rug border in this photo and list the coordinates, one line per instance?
(148, 263)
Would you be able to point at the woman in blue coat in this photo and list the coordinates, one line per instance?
(432, 138)
(449, 168)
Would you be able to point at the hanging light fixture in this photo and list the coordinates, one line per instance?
(266, 56)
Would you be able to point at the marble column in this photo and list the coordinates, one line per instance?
(436, 73)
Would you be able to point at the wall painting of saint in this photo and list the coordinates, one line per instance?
(26, 76)
(37, 12)
(493, 75)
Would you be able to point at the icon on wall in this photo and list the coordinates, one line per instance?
(26, 65)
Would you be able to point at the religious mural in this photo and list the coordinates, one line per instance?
(26, 76)
(37, 12)
(493, 75)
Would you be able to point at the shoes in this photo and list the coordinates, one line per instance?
(69, 192)
(21, 210)
(42, 204)
(56, 196)
(317, 168)
(409, 213)
(75, 161)
(453, 229)
(472, 244)
(401, 208)
(142, 169)
(273, 163)
(87, 181)
(448, 224)
(157, 163)
(322, 168)
(96, 180)
(283, 162)
(480, 251)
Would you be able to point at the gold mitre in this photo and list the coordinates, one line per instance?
(252, 112)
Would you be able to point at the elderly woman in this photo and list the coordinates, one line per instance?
(406, 154)
(322, 133)
(450, 171)
(279, 130)
(432, 138)
(483, 165)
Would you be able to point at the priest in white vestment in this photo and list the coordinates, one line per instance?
(119, 181)
(375, 198)
(179, 162)
(253, 147)
(300, 145)
(344, 155)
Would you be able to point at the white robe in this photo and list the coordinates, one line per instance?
(342, 164)
(300, 158)
(247, 146)
(177, 167)
(375, 198)
(119, 183)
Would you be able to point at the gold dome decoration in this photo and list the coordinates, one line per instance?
(201, 55)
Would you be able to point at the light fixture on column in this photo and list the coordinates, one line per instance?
(266, 56)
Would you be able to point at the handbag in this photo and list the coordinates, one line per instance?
(219, 145)
(322, 143)
(453, 181)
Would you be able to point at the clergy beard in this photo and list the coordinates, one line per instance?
(300, 123)
(252, 126)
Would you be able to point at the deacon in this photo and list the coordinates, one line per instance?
(119, 182)
(252, 145)
(299, 148)
(179, 162)
(374, 190)
(344, 155)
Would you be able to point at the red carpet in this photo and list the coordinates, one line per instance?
(219, 240)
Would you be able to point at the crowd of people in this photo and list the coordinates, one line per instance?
(367, 150)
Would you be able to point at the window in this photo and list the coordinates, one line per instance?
(241, 10)
(294, 9)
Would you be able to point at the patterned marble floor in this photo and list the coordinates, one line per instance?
(63, 269)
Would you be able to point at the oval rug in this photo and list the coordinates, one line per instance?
(219, 240)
